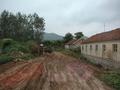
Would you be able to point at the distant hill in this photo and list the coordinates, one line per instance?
(52, 36)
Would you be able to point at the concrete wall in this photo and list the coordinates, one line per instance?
(67, 47)
(106, 63)
(108, 54)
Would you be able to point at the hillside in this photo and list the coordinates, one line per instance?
(52, 36)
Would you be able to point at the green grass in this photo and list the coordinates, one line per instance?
(112, 79)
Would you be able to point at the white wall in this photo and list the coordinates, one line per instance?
(108, 54)
(67, 47)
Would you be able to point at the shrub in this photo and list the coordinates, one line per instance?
(48, 50)
(21, 48)
(82, 57)
(27, 57)
(16, 47)
(33, 47)
(71, 53)
(6, 43)
(9, 45)
(5, 58)
(76, 50)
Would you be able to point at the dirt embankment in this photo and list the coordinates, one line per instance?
(52, 72)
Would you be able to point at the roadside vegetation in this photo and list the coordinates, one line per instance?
(53, 45)
(71, 52)
(15, 50)
(20, 36)
(110, 77)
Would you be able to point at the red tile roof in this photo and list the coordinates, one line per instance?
(74, 42)
(71, 42)
(77, 42)
(105, 36)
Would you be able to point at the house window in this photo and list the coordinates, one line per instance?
(86, 48)
(104, 48)
(90, 47)
(115, 46)
(83, 48)
(96, 47)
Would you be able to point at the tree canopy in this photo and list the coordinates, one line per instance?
(78, 35)
(68, 37)
(21, 27)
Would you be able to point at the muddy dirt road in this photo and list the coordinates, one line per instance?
(52, 72)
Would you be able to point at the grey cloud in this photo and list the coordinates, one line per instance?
(64, 16)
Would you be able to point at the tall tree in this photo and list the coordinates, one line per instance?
(21, 27)
(39, 27)
(78, 35)
(4, 23)
(68, 37)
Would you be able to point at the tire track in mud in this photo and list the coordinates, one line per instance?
(66, 73)
(20, 76)
(53, 72)
(37, 79)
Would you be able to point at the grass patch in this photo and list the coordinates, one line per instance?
(111, 79)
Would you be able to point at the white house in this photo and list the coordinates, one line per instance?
(103, 48)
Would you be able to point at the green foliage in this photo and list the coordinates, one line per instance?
(5, 58)
(48, 43)
(27, 56)
(72, 52)
(6, 42)
(68, 37)
(76, 50)
(112, 79)
(48, 50)
(17, 47)
(9, 45)
(21, 27)
(54, 44)
(78, 35)
(17, 50)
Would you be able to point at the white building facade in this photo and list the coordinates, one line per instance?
(102, 49)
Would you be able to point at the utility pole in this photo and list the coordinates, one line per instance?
(104, 27)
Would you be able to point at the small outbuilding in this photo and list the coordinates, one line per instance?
(75, 43)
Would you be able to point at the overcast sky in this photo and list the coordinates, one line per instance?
(62, 16)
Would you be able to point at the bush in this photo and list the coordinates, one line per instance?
(48, 50)
(112, 79)
(6, 43)
(27, 57)
(16, 47)
(33, 47)
(5, 58)
(21, 48)
(71, 52)
(76, 50)
(9, 45)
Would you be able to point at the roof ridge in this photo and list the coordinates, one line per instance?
(105, 36)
